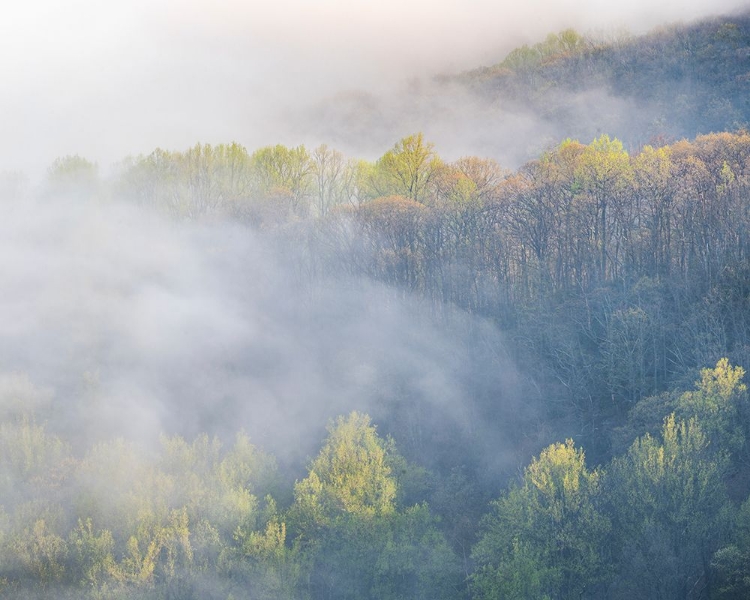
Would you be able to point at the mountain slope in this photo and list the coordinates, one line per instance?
(676, 82)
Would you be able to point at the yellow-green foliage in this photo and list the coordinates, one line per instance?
(719, 403)
(350, 473)
(549, 528)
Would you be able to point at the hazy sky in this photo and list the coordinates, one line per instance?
(105, 79)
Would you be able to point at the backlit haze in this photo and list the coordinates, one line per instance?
(106, 80)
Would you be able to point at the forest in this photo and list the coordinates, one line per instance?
(677, 81)
(291, 373)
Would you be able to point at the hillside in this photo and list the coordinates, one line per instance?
(679, 81)
(294, 373)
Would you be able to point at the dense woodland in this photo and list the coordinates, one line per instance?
(621, 281)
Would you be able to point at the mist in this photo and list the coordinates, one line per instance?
(141, 332)
(131, 324)
(106, 81)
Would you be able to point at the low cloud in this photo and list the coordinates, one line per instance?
(135, 325)
(107, 80)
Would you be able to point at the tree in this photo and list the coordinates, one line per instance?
(335, 179)
(653, 172)
(720, 405)
(72, 177)
(603, 174)
(33, 461)
(92, 551)
(392, 226)
(349, 475)
(353, 541)
(545, 537)
(277, 168)
(406, 170)
(41, 552)
(669, 509)
(200, 181)
(153, 180)
(731, 563)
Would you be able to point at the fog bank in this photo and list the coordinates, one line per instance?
(106, 80)
(129, 324)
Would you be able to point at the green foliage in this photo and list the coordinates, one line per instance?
(393, 556)
(730, 564)
(720, 405)
(646, 417)
(202, 180)
(353, 540)
(416, 561)
(26, 449)
(520, 573)
(615, 274)
(269, 566)
(40, 553)
(406, 170)
(145, 525)
(277, 168)
(268, 187)
(620, 273)
(93, 556)
(548, 79)
(669, 509)
(72, 177)
(604, 166)
(546, 536)
(32, 461)
(159, 547)
(350, 474)
(566, 43)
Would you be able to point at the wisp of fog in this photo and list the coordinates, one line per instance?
(131, 324)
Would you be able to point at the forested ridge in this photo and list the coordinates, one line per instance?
(678, 81)
(615, 279)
